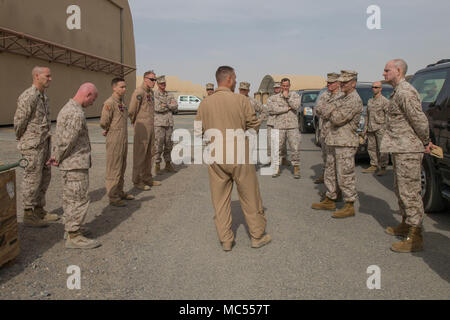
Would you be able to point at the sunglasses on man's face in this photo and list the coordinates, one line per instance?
(376, 87)
(151, 79)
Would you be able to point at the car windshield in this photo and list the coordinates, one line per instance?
(309, 97)
(429, 85)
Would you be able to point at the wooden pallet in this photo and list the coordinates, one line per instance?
(9, 231)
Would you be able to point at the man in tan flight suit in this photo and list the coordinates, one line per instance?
(165, 106)
(142, 115)
(32, 124)
(221, 111)
(114, 121)
(342, 142)
(407, 137)
(72, 154)
(375, 123)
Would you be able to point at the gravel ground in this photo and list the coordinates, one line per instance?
(164, 244)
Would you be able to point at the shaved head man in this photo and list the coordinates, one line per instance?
(32, 124)
(407, 138)
(72, 154)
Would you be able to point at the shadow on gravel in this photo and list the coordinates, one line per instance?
(34, 242)
(111, 217)
(164, 174)
(97, 195)
(377, 208)
(238, 218)
(436, 253)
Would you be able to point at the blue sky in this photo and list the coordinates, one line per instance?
(191, 38)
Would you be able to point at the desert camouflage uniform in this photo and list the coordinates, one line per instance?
(342, 139)
(114, 121)
(375, 125)
(259, 109)
(32, 127)
(286, 121)
(72, 149)
(407, 132)
(324, 125)
(165, 105)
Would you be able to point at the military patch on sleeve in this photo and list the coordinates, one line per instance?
(107, 108)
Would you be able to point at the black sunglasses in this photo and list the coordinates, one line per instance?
(151, 79)
(376, 87)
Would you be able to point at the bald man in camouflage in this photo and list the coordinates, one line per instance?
(32, 124)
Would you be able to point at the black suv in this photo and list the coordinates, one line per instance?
(364, 90)
(433, 85)
(305, 112)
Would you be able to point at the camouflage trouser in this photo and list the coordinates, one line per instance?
(407, 185)
(269, 144)
(293, 137)
(164, 144)
(75, 198)
(36, 176)
(340, 172)
(377, 159)
(323, 146)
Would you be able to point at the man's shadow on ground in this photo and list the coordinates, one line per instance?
(238, 218)
(34, 242)
(436, 252)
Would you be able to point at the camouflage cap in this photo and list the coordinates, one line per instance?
(347, 75)
(210, 86)
(277, 85)
(161, 79)
(244, 85)
(332, 77)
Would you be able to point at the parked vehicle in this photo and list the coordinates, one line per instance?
(308, 100)
(188, 103)
(364, 90)
(433, 85)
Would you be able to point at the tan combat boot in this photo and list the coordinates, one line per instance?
(118, 203)
(381, 172)
(127, 196)
(169, 167)
(227, 246)
(83, 230)
(347, 211)
(296, 172)
(157, 169)
(258, 243)
(400, 230)
(33, 220)
(413, 243)
(320, 179)
(326, 204)
(76, 240)
(142, 186)
(370, 169)
(156, 183)
(46, 216)
(277, 173)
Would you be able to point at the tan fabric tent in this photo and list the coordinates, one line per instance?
(298, 82)
(178, 87)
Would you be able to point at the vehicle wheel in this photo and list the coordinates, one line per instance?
(317, 136)
(431, 191)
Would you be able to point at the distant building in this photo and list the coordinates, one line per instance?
(80, 40)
